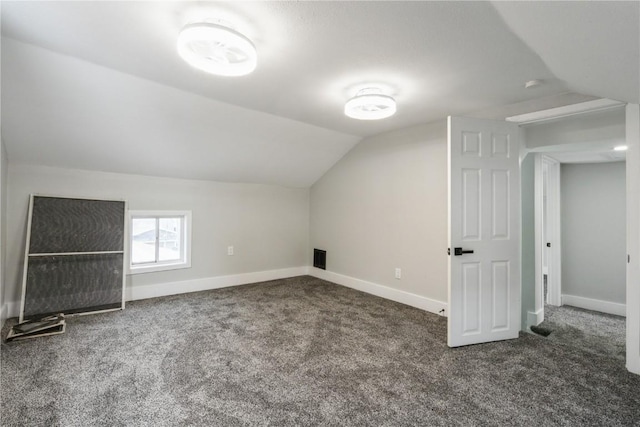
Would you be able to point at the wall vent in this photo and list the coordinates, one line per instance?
(320, 259)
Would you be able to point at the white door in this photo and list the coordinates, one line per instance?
(484, 231)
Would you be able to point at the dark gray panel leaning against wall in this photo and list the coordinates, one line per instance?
(60, 225)
(71, 284)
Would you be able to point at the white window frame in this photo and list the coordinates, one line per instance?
(184, 262)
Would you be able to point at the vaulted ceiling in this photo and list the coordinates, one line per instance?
(99, 86)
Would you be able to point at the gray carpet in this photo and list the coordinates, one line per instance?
(300, 351)
(590, 331)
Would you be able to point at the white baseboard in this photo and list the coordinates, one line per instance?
(595, 304)
(133, 293)
(534, 318)
(12, 309)
(633, 363)
(386, 292)
(3, 314)
(9, 310)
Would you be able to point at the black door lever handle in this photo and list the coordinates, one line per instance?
(459, 251)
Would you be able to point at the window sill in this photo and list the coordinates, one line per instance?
(155, 268)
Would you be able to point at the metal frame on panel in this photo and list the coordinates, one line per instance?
(27, 255)
(26, 259)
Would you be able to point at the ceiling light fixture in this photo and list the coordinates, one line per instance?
(217, 49)
(620, 148)
(370, 104)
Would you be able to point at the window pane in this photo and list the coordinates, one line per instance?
(170, 239)
(143, 240)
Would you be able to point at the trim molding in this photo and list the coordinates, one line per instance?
(386, 292)
(534, 318)
(3, 314)
(9, 310)
(595, 304)
(565, 111)
(133, 293)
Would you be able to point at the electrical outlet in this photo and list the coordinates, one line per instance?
(229, 250)
(398, 273)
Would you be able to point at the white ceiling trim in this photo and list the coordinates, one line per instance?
(566, 111)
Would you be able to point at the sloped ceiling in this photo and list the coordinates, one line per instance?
(64, 112)
(592, 46)
(98, 85)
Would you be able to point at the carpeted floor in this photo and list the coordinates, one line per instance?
(590, 331)
(300, 351)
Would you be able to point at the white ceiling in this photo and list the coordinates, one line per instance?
(64, 112)
(85, 82)
(593, 46)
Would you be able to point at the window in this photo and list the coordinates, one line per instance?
(159, 240)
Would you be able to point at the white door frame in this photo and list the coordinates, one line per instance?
(554, 232)
(553, 227)
(632, 124)
(545, 164)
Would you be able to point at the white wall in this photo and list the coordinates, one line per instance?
(267, 225)
(3, 231)
(382, 206)
(3, 192)
(594, 231)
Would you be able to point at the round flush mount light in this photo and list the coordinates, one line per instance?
(217, 49)
(370, 104)
(620, 148)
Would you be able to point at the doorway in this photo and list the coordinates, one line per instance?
(555, 131)
(581, 249)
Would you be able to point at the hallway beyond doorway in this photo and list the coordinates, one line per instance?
(591, 331)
